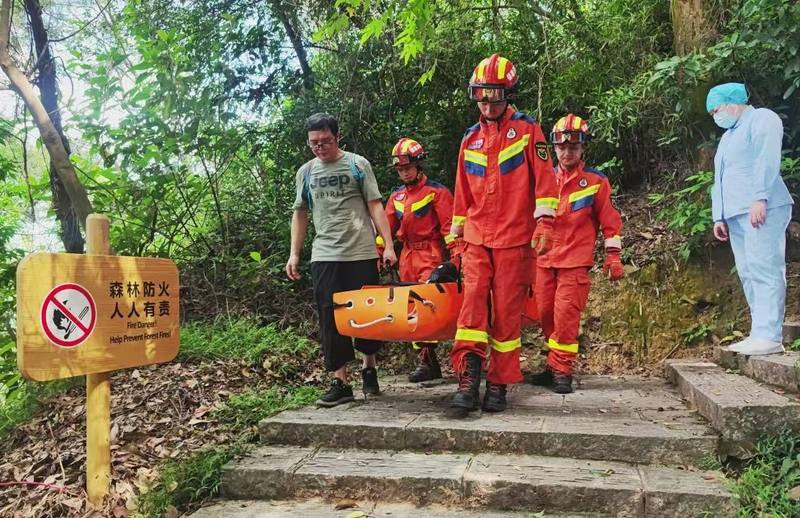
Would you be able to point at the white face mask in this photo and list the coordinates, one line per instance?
(724, 120)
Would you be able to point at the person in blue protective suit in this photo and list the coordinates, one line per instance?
(751, 207)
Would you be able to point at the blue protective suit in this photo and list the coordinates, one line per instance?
(747, 169)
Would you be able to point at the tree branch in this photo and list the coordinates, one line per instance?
(50, 137)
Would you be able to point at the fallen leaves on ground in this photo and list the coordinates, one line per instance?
(157, 413)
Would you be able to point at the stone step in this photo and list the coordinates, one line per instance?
(317, 508)
(633, 419)
(791, 332)
(780, 370)
(739, 408)
(483, 481)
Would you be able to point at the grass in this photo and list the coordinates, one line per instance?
(196, 479)
(763, 488)
(239, 338)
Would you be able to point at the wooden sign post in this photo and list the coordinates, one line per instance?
(93, 314)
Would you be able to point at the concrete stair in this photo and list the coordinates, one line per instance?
(316, 508)
(628, 420)
(738, 407)
(599, 452)
(494, 481)
(780, 370)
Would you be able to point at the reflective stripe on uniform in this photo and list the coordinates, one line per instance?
(583, 193)
(459, 220)
(398, 206)
(421, 203)
(550, 203)
(583, 198)
(567, 348)
(613, 242)
(449, 238)
(507, 346)
(512, 157)
(472, 335)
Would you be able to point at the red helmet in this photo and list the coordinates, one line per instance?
(494, 80)
(570, 128)
(407, 151)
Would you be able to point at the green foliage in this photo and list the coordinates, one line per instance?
(185, 482)
(240, 338)
(795, 345)
(688, 210)
(763, 487)
(196, 479)
(248, 408)
(18, 404)
(696, 333)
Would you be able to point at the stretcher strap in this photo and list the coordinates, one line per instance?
(425, 302)
(387, 318)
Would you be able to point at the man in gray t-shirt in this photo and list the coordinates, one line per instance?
(340, 191)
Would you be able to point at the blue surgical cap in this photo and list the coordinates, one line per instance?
(728, 93)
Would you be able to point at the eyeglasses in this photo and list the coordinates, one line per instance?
(320, 143)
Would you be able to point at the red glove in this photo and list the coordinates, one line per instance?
(612, 267)
(542, 240)
(457, 247)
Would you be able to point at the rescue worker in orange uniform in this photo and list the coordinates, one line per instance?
(420, 215)
(505, 188)
(562, 274)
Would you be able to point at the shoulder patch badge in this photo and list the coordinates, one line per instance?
(476, 144)
(400, 196)
(541, 150)
(583, 182)
(511, 133)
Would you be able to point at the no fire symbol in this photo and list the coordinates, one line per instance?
(68, 315)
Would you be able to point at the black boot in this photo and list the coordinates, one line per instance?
(369, 382)
(558, 383)
(466, 398)
(494, 400)
(428, 368)
(562, 384)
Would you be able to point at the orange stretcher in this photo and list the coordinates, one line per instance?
(407, 313)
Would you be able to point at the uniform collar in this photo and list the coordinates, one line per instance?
(502, 120)
(417, 186)
(745, 116)
(566, 176)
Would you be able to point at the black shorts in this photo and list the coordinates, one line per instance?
(329, 277)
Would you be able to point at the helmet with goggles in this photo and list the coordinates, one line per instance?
(407, 151)
(494, 80)
(570, 129)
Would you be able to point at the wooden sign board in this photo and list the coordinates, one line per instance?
(84, 314)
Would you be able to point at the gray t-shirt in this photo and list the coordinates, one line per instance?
(337, 194)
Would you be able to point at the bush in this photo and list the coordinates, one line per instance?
(764, 486)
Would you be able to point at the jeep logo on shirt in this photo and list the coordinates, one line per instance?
(330, 181)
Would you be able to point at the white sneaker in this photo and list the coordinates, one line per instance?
(760, 346)
(738, 346)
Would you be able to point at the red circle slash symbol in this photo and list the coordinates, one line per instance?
(68, 315)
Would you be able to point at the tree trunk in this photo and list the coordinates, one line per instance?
(692, 26)
(50, 136)
(289, 21)
(48, 89)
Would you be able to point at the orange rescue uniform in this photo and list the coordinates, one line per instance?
(504, 181)
(420, 216)
(562, 274)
